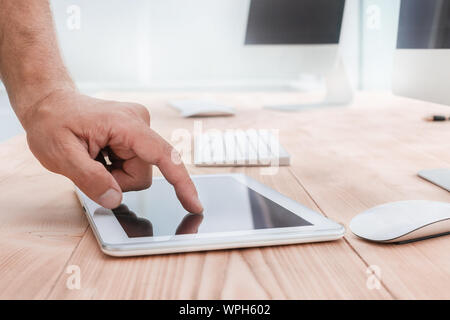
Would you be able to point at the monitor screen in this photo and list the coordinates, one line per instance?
(424, 24)
(294, 21)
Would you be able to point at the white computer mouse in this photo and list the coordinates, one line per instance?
(403, 221)
(199, 108)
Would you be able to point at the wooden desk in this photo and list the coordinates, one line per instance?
(345, 160)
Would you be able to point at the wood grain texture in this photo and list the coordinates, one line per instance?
(374, 162)
(345, 160)
(40, 225)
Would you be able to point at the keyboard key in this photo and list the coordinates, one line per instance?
(265, 156)
(230, 147)
(217, 147)
(242, 147)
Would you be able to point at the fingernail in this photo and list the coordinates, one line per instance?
(199, 205)
(110, 199)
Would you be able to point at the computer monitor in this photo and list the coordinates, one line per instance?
(294, 22)
(422, 60)
(300, 36)
(202, 43)
(285, 39)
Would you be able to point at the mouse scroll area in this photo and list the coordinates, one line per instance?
(436, 229)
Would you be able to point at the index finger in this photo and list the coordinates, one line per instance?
(152, 148)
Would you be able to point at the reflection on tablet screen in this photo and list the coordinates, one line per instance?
(229, 206)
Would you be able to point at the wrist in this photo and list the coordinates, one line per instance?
(32, 99)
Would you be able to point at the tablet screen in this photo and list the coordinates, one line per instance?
(229, 205)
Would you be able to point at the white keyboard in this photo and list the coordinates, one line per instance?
(239, 148)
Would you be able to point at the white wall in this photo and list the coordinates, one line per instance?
(379, 39)
(350, 40)
(104, 49)
(159, 42)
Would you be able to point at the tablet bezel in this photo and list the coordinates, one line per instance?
(114, 241)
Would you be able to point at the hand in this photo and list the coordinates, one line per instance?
(67, 130)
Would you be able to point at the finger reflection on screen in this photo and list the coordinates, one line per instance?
(131, 223)
(190, 224)
(135, 226)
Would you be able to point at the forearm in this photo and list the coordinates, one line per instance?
(31, 66)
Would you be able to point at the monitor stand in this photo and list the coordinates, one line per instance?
(339, 91)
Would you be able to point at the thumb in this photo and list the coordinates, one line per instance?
(92, 178)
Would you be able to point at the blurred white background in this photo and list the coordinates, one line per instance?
(174, 43)
(151, 44)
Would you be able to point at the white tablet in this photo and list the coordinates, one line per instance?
(238, 212)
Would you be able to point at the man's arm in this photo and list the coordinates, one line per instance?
(30, 63)
(67, 130)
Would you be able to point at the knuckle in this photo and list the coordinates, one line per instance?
(143, 112)
(175, 156)
(167, 151)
